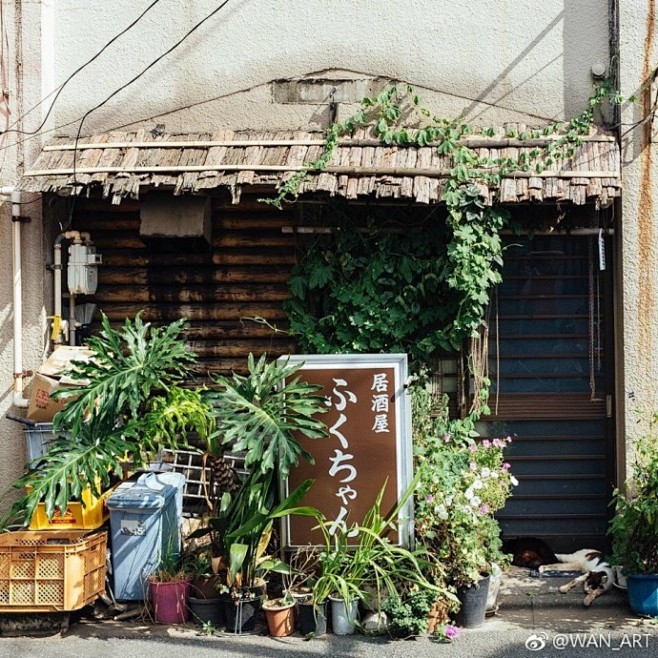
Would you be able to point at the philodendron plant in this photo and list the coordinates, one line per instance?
(125, 403)
(260, 414)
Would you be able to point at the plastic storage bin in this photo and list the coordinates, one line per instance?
(145, 518)
(37, 438)
(51, 571)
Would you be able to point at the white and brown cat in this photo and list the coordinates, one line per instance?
(596, 572)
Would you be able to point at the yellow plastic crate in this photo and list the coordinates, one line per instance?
(89, 516)
(54, 571)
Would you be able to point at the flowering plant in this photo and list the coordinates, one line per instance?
(462, 484)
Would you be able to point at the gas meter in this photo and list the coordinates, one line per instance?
(82, 273)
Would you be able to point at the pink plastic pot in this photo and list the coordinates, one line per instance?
(169, 601)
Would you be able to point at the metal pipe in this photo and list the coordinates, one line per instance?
(57, 279)
(18, 399)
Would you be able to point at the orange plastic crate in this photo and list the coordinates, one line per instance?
(53, 571)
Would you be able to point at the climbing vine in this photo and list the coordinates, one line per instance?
(417, 292)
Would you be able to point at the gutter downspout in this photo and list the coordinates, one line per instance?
(18, 399)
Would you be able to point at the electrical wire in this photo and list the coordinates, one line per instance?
(58, 91)
(135, 78)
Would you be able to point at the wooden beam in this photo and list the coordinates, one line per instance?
(355, 171)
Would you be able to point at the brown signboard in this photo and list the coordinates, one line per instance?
(369, 443)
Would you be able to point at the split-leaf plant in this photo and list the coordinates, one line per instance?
(261, 414)
(125, 403)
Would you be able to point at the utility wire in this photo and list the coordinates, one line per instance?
(59, 90)
(135, 78)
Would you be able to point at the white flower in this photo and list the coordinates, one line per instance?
(495, 475)
(449, 500)
(475, 501)
(486, 471)
(513, 480)
(441, 512)
(477, 484)
(468, 494)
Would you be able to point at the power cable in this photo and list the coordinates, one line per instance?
(135, 78)
(59, 90)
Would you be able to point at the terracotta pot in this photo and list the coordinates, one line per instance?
(280, 617)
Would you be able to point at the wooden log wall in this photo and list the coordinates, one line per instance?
(242, 275)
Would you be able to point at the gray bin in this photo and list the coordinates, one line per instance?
(145, 520)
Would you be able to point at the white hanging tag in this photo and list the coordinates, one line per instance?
(601, 250)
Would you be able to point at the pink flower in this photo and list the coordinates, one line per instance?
(486, 443)
(484, 509)
(498, 443)
(473, 466)
(473, 447)
(429, 498)
(446, 438)
(452, 632)
(505, 466)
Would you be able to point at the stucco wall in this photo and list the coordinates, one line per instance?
(494, 60)
(23, 22)
(638, 240)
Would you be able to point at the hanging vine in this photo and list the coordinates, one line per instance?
(336, 269)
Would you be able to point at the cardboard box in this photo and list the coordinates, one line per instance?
(41, 407)
(61, 358)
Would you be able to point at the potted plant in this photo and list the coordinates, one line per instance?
(169, 588)
(462, 483)
(259, 414)
(634, 528)
(206, 606)
(280, 615)
(370, 569)
(126, 403)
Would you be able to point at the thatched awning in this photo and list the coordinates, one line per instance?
(120, 164)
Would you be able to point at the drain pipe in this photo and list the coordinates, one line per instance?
(18, 399)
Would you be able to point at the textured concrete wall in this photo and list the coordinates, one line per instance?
(638, 241)
(22, 53)
(494, 60)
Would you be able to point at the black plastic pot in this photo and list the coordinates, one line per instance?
(312, 618)
(473, 600)
(241, 614)
(207, 611)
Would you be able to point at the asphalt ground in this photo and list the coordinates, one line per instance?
(533, 619)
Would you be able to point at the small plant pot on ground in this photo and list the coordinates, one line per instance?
(207, 611)
(473, 603)
(344, 615)
(169, 601)
(312, 618)
(241, 614)
(643, 593)
(280, 616)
